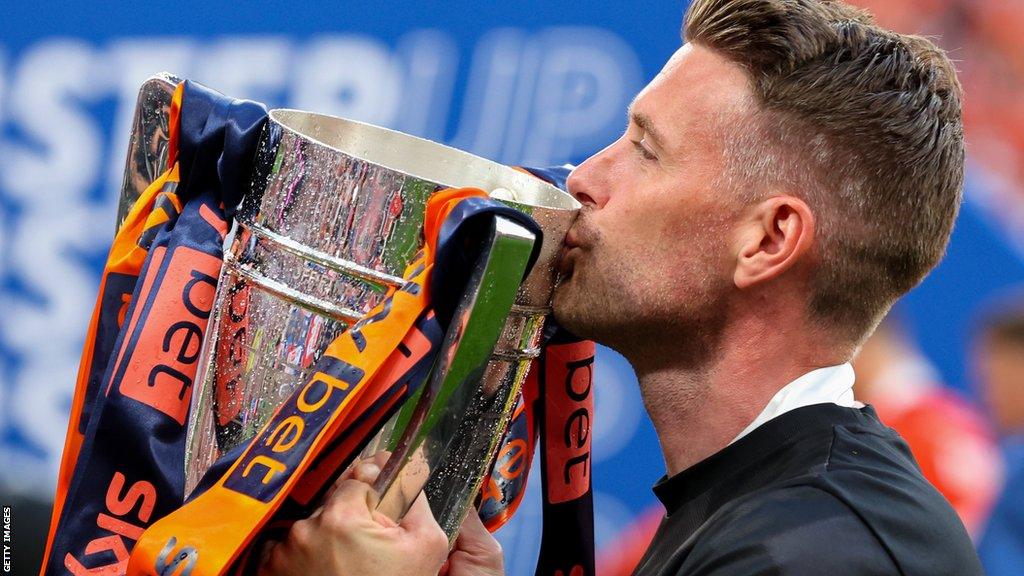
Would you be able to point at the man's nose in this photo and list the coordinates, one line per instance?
(586, 182)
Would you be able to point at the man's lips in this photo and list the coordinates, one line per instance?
(567, 257)
(571, 239)
(566, 260)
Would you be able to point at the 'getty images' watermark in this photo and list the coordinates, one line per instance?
(7, 540)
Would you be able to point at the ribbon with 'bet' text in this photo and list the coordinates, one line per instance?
(556, 410)
(121, 467)
(209, 533)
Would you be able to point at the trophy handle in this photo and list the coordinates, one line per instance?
(147, 147)
(457, 378)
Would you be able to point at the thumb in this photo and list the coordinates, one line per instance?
(420, 519)
(420, 525)
(477, 545)
(473, 533)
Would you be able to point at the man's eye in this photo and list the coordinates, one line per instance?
(642, 149)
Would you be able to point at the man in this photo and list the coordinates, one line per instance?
(999, 359)
(791, 171)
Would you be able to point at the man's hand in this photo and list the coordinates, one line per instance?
(476, 552)
(348, 537)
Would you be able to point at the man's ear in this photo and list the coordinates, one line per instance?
(773, 236)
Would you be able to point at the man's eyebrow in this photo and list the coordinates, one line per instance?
(645, 123)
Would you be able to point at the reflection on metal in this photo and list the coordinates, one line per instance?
(147, 147)
(333, 216)
(457, 378)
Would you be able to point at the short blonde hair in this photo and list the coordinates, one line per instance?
(864, 123)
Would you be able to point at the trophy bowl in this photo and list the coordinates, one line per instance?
(333, 215)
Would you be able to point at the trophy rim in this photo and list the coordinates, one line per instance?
(421, 158)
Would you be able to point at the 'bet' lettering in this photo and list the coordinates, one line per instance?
(172, 322)
(197, 306)
(286, 434)
(567, 421)
(273, 456)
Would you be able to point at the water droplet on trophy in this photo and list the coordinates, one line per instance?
(336, 220)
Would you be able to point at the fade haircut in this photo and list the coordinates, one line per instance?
(862, 123)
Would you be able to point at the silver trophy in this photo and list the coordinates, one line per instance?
(333, 217)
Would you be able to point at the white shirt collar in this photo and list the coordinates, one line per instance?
(833, 384)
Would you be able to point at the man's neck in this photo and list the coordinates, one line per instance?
(698, 411)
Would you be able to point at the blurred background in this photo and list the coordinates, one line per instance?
(534, 83)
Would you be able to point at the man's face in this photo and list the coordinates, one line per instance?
(649, 255)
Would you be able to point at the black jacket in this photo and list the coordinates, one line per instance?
(820, 490)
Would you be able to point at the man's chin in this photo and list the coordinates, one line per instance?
(563, 307)
(572, 312)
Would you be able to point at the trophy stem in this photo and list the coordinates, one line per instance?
(446, 399)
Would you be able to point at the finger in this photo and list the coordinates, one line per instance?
(378, 459)
(420, 526)
(475, 538)
(366, 472)
(279, 561)
(284, 558)
(358, 470)
(419, 520)
(472, 526)
(349, 507)
(381, 458)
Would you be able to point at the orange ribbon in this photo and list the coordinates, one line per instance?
(207, 535)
